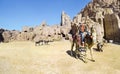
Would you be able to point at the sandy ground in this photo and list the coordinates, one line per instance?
(26, 58)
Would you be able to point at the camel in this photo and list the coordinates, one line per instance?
(82, 46)
(73, 32)
(40, 42)
(89, 44)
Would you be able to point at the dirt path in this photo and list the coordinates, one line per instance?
(26, 58)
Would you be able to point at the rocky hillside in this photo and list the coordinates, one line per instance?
(41, 32)
(105, 15)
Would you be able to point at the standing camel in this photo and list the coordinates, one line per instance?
(73, 32)
(90, 41)
(82, 40)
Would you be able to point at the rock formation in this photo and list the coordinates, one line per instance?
(105, 15)
(14, 35)
(41, 32)
(65, 20)
(112, 27)
(7, 36)
(1, 36)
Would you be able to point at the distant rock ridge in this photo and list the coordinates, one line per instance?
(41, 32)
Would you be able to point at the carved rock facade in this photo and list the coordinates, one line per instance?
(106, 17)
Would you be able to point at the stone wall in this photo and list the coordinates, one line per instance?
(112, 27)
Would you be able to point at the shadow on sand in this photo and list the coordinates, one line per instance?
(69, 53)
(95, 49)
(117, 43)
(79, 57)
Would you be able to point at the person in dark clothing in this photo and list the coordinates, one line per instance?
(73, 32)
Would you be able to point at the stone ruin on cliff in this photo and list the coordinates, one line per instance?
(37, 33)
(103, 14)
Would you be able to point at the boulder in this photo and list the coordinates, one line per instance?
(1, 36)
(25, 36)
(7, 36)
(14, 35)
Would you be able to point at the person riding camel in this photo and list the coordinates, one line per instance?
(73, 32)
(82, 33)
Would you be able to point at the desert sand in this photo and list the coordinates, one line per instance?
(23, 57)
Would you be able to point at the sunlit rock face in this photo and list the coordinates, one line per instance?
(65, 20)
(105, 15)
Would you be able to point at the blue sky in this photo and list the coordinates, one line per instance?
(14, 14)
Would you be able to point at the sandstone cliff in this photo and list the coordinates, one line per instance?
(105, 15)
